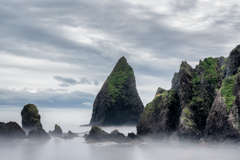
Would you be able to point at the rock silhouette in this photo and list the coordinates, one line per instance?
(118, 102)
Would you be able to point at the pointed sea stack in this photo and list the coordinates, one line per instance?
(118, 102)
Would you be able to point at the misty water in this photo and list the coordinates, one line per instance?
(77, 149)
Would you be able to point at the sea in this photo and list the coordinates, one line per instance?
(78, 149)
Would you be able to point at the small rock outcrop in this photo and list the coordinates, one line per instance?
(118, 102)
(11, 130)
(96, 134)
(57, 131)
(30, 117)
(39, 133)
(71, 135)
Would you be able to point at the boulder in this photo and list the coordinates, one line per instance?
(118, 102)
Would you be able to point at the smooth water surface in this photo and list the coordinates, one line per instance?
(77, 149)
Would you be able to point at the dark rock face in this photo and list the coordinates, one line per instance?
(30, 117)
(233, 62)
(11, 130)
(39, 133)
(175, 81)
(220, 123)
(57, 131)
(221, 60)
(161, 116)
(118, 102)
(206, 78)
(223, 120)
(205, 105)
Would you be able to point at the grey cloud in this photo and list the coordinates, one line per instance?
(96, 82)
(46, 98)
(34, 29)
(69, 81)
(183, 5)
(114, 20)
(66, 82)
(84, 80)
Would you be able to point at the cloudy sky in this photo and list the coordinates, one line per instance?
(58, 53)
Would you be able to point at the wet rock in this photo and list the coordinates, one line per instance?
(11, 130)
(39, 133)
(118, 102)
(30, 117)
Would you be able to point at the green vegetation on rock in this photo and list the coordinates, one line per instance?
(121, 73)
(210, 71)
(227, 91)
(164, 98)
(210, 77)
(187, 117)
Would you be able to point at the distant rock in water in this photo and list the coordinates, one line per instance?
(30, 117)
(39, 133)
(11, 130)
(118, 102)
(70, 134)
(57, 131)
(96, 134)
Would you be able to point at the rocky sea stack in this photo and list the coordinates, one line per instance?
(31, 123)
(118, 102)
(30, 117)
(203, 103)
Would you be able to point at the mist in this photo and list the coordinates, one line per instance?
(77, 148)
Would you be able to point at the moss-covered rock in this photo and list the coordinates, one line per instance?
(160, 117)
(223, 122)
(118, 102)
(30, 117)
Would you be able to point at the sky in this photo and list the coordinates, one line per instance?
(58, 53)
